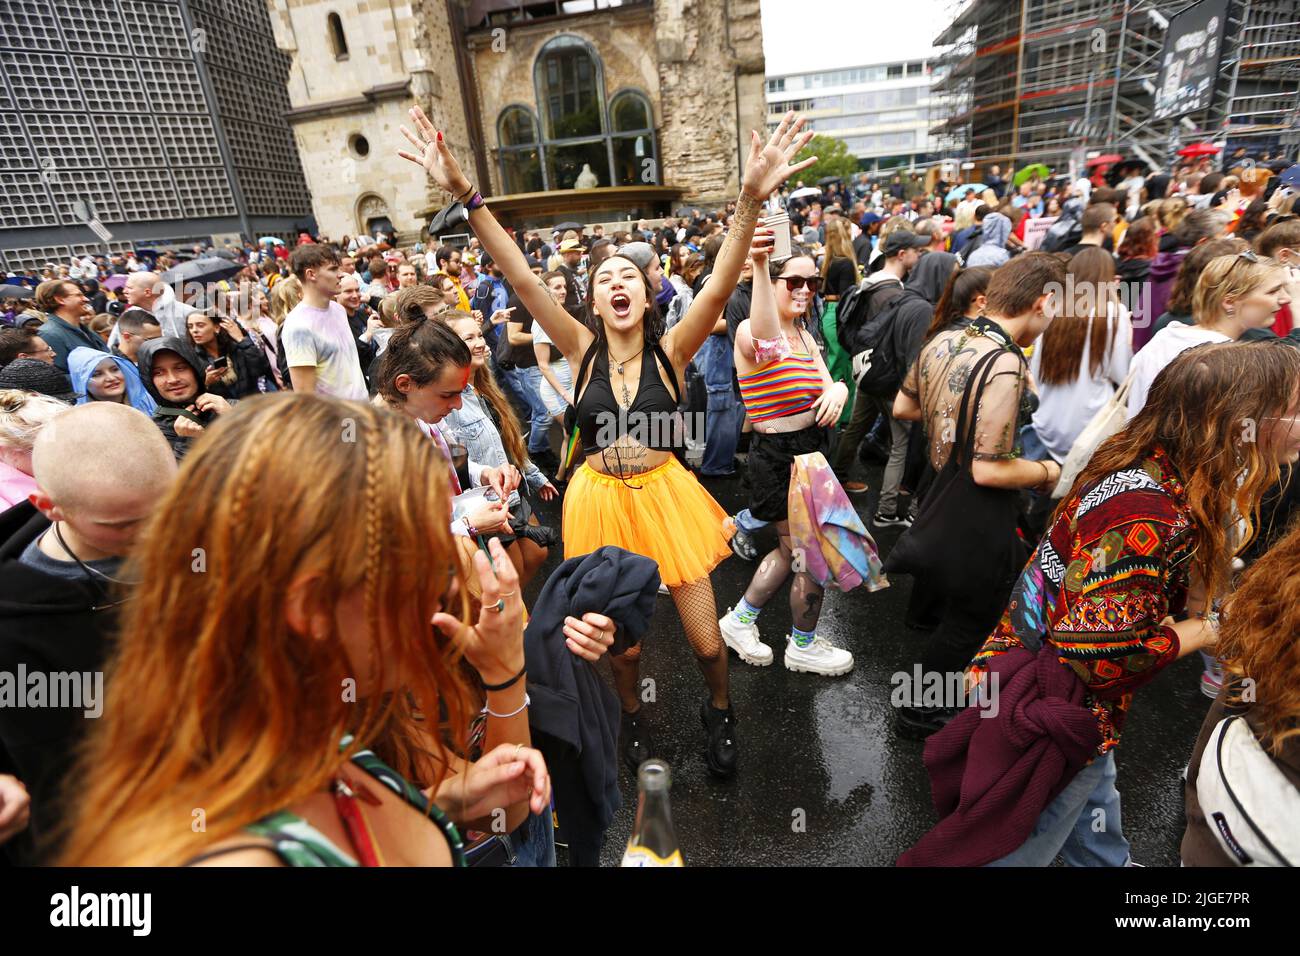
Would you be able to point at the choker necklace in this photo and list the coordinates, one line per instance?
(626, 360)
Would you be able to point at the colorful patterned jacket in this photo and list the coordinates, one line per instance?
(1113, 565)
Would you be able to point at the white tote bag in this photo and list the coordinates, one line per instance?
(1109, 421)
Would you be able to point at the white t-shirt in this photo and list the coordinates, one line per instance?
(322, 339)
(1064, 409)
(1165, 346)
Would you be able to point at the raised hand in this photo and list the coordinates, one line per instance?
(495, 645)
(434, 155)
(768, 166)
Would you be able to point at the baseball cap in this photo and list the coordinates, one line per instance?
(642, 253)
(903, 239)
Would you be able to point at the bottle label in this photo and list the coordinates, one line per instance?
(643, 856)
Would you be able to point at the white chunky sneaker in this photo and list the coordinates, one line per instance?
(743, 639)
(819, 657)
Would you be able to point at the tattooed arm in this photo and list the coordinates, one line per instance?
(767, 168)
(569, 335)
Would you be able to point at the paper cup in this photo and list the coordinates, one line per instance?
(779, 223)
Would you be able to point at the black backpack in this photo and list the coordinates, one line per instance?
(865, 336)
(1066, 231)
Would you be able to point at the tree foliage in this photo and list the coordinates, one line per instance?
(833, 159)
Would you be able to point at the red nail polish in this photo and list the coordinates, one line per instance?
(440, 136)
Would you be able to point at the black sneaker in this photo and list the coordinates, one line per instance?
(742, 545)
(882, 520)
(637, 748)
(721, 752)
(917, 723)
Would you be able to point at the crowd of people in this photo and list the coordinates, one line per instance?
(1086, 434)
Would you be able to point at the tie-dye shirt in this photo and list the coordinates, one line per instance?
(322, 339)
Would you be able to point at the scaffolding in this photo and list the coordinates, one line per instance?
(1035, 80)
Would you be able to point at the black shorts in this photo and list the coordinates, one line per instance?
(770, 460)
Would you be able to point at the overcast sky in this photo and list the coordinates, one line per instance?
(801, 36)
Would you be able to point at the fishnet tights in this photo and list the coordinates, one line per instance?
(805, 593)
(698, 611)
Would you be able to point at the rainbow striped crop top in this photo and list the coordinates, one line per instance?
(785, 386)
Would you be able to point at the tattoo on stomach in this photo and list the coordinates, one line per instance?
(626, 457)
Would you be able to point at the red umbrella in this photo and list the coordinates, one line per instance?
(1199, 149)
(1105, 160)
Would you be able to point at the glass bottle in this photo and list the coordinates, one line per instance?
(653, 842)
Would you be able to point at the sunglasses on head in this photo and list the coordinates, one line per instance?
(795, 283)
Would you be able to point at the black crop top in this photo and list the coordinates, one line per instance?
(652, 420)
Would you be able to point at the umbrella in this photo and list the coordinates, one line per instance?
(1291, 177)
(210, 269)
(1032, 171)
(827, 180)
(959, 192)
(226, 253)
(16, 292)
(1199, 149)
(272, 239)
(1104, 160)
(114, 282)
(805, 191)
(563, 226)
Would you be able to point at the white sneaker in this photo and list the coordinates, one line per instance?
(743, 639)
(819, 657)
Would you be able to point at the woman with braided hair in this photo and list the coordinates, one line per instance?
(283, 692)
(632, 491)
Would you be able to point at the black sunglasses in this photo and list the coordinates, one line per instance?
(795, 283)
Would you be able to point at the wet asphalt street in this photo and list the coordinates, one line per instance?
(824, 778)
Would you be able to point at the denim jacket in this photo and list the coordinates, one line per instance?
(473, 428)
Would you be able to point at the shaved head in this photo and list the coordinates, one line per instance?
(95, 456)
(142, 289)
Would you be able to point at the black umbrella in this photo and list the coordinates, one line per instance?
(210, 269)
(569, 225)
(16, 292)
(827, 180)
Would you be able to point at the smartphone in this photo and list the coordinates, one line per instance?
(220, 363)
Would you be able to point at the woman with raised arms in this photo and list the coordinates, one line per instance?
(631, 490)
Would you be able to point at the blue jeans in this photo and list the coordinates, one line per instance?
(1082, 824)
(722, 426)
(527, 383)
(534, 840)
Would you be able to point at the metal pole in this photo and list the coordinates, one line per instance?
(1236, 68)
(1112, 128)
(1020, 72)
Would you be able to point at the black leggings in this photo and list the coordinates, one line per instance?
(965, 622)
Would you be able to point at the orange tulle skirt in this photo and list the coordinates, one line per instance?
(664, 514)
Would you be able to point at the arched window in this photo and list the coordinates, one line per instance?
(338, 42)
(568, 81)
(636, 162)
(576, 139)
(521, 158)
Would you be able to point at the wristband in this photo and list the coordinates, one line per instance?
(476, 202)
(466, 194)
(510, 683)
